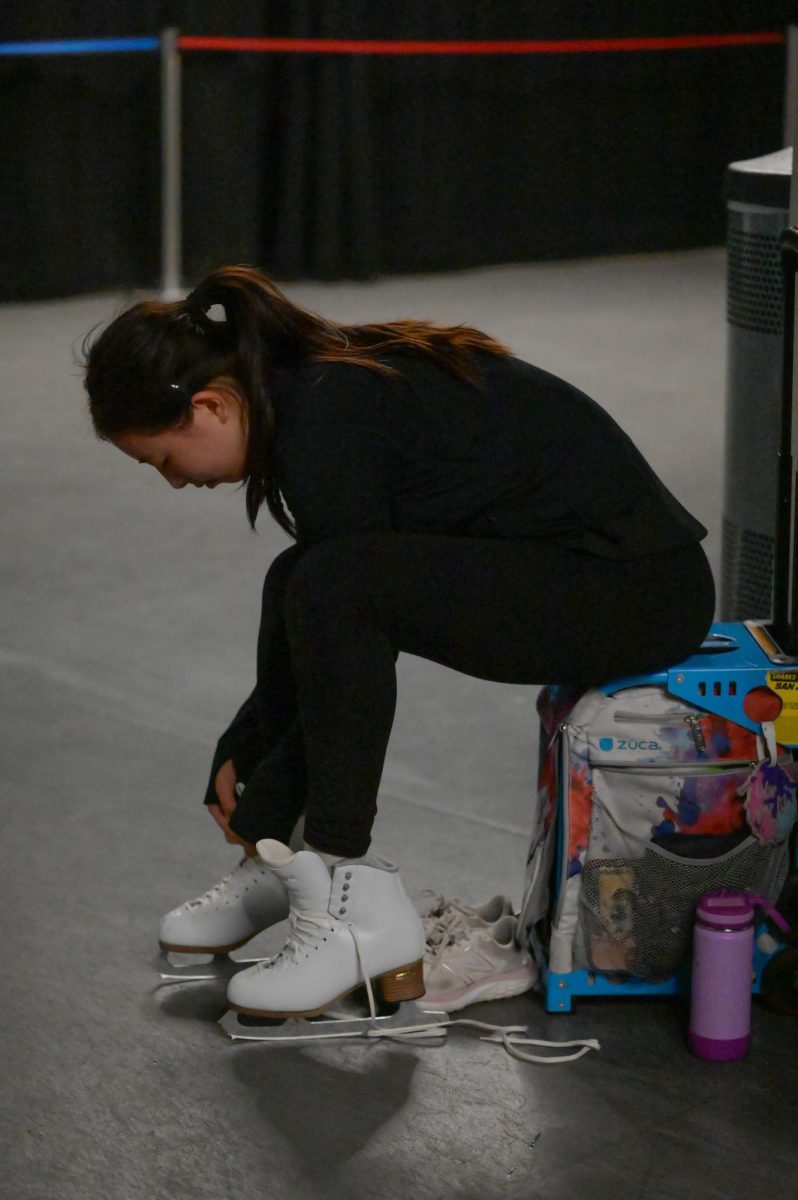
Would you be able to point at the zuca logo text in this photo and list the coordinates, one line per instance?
(608, 743)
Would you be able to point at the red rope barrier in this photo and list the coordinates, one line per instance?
(580, 46)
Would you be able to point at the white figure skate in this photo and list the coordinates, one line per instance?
(350, 928)
(197, 937)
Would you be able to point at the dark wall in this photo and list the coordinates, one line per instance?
(350, 167)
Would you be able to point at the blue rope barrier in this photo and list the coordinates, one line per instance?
(85, 46)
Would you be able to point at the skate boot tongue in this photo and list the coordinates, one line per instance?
(304, 874)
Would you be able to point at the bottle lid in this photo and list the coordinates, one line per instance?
(726, 908)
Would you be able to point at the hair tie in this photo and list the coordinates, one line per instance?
(195, 308)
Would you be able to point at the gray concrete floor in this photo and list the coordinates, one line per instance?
(127, 642)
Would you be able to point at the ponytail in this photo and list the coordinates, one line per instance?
(143, 369)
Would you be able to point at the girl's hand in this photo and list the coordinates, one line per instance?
(225, 784)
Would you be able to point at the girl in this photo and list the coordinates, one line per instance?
(447, 500)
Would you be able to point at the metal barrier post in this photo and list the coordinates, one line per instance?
(171, 216)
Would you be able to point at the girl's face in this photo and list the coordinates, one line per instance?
(209, 449)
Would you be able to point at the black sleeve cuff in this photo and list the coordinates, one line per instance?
(239, 742)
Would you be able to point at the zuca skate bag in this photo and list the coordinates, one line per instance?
(646, 802)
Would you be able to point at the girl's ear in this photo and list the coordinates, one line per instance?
(214, 402)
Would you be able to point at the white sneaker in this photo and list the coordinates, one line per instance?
(245, 902)
(473, 964)
(438, 915)
(347, 926)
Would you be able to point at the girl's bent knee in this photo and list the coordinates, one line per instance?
(281, 568)
(327, 567)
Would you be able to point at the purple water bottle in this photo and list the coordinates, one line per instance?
(723, 956)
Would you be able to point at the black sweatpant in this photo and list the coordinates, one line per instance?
(336, 615)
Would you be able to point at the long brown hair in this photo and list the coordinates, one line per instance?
(142, 370)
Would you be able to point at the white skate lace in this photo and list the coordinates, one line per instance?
(218, 888)
(510, 1036)
(306, 930)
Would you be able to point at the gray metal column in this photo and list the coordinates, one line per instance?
(757, 193)
(171, 162)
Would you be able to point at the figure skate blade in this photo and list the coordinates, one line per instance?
(201, 965)
(338, 1023)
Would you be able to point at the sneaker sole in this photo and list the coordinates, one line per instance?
(497, 989)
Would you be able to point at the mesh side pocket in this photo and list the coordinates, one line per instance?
(637, 915)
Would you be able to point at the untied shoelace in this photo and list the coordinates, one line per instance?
(445, 919)
(448, 929)
(306, 929)
(508, 1035)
